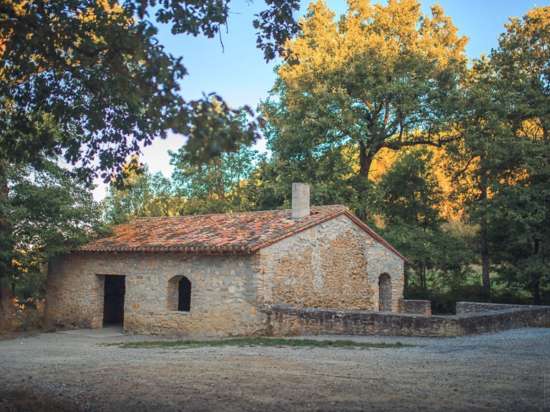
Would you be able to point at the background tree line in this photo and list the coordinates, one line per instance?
(380, 110)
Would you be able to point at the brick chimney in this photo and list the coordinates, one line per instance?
(300, 200)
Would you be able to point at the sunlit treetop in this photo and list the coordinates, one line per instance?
(380, 76)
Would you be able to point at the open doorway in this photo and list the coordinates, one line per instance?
(113, 302)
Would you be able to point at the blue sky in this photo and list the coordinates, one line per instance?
(238, 72)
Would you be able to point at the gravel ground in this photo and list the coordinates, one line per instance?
(70, 371)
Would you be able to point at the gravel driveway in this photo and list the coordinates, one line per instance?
(73, 371)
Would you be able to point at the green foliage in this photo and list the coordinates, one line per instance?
(410, 197)
(216, 185)
(519, 226)
(50, 212)
(139, 194)
(383, 76)
(411, 192)
(220, 185)
(500, 166)
(520, 216)
(87, 82)
(270, 184)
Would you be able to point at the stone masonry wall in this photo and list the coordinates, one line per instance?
(463, 308)
(289, 321)
(416, 307)
(331, 265)
(223, 294)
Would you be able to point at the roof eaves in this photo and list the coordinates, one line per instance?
(195, 250)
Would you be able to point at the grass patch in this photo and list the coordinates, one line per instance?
(243, 342)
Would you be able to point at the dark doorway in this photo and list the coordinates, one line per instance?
(113, 303)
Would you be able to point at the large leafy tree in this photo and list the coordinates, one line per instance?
(383, 76)
(88, 82)
(502, 159)
(482, 157)
(520, 217)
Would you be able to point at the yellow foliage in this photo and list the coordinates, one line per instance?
(92, 19)
(449, 208)
(531, 129)
(387, 32)
(18, 7)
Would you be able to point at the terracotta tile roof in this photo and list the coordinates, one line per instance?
(229, 233)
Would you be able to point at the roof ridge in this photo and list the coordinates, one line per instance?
(231, 213)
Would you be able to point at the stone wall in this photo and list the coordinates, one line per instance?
(416, 307)
(463, 308)
(334, 264)
(288, 321)
(223, 294)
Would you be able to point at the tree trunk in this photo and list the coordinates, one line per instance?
(535, 279)
(536, 290)
(5, 234)
(484, 242)
(422, 276)
(5, 297)
(365, 160)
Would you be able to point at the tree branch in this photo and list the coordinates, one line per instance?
(399, 144)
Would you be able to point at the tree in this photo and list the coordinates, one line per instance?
(50, 211)
(519, 227)
(330, 176)
(410, 198)
(87, 82)
(139, 193)
(505, 127)
(520, 216)
(383, 76)
(478, 160)
(214, 186)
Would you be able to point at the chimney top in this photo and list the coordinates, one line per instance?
(300, 200)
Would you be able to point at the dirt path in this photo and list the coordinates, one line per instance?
(74, 371)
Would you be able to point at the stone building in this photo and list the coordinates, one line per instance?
(212, 275)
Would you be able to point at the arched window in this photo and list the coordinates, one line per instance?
(179, 294)
(384, 293)
(184, 295)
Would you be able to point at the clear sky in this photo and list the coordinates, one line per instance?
(238, 72)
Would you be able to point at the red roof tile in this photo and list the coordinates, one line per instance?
(233, 233)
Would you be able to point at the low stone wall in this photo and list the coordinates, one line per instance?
(415, 307)
(287, 321)
(463, 308)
